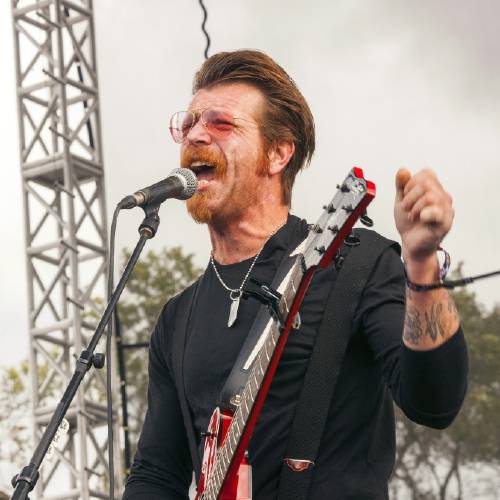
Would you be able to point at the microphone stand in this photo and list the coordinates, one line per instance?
(25, 481)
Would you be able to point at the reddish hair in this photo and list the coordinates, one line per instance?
(286, 115)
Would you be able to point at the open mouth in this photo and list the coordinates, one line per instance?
(203, 172)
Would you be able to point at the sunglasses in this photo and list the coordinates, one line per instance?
(219, 123)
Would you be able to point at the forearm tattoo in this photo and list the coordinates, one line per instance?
(427, 324)
(413, 328)
(433, 319)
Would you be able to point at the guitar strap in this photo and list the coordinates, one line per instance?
(183, 312)
(239, 373)
(326, 359)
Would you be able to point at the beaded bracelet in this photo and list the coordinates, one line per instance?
(443, 271)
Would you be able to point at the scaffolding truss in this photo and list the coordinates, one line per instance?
(65, 232)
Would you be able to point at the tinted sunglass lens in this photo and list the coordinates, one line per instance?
(218, 122)
(180, 125)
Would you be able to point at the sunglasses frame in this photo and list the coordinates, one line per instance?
(198, 116)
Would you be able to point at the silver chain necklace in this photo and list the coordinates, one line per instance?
(235, 293)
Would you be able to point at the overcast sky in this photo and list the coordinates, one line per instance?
(391, 84)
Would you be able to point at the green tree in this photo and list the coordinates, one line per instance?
(14, 420)
(430, 463)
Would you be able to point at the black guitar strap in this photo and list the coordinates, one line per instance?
(326, 359)
(183, 312)
(239, 373)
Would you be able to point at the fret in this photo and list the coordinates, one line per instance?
(220, 474)
(237, 426)
(248, 387)
(241, 420)
(216, 477)
(225, 456)
(254, 380)
(268, 356)
(245, 402)
(262, 368)
(283, 306)
(248, 405)
(230, 444)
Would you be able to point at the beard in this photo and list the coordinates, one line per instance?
(199, 206)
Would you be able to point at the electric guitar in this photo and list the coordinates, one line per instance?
(225, 473)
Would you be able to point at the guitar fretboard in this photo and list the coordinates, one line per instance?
(226, 452)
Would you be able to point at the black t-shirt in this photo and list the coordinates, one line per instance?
(357, 451)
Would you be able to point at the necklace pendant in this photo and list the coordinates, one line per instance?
(233, 311)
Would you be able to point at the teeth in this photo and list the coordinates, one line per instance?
(196, 166)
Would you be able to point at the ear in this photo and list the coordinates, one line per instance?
(279, 156)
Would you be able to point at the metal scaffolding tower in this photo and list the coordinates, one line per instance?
(66, 231)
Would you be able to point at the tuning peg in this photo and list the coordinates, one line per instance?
(333, 229)
(316, 228)
(321, 250)
(348, 208)
(344, 188)
(352, 240)
(364, 219)
(329, 208)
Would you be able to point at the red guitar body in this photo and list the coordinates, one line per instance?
(238, 486)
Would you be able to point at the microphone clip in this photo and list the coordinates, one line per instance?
(151, 221)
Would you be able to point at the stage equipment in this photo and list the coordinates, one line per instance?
(87, 359)
(65, 232)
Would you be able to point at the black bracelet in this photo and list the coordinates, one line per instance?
(443, 271)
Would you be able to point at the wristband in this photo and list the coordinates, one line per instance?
(443, 271)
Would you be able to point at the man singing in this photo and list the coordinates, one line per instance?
(246, 133)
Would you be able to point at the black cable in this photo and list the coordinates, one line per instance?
(122, 371)
(449, 284)
(205, 16)
(109, 336)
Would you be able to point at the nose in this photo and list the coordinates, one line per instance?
(199, 134)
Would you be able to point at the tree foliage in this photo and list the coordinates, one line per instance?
(14, 420)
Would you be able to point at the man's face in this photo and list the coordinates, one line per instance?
(237, 160)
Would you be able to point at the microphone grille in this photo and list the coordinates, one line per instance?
(191, 182)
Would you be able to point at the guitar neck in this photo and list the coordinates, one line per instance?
(320, 247)
(258, 382)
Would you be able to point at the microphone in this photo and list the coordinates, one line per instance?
(181, 184)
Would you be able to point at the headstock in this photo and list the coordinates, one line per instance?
(339, 216)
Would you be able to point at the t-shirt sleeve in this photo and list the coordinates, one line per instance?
(162, 465)
(429, 386)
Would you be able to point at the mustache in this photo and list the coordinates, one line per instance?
(204, 155)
